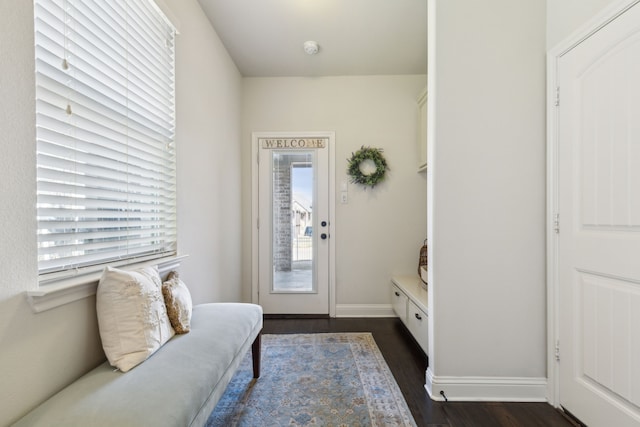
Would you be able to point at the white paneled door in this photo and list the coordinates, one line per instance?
(599, 224)
(294, 218)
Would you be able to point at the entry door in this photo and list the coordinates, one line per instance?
(599, 225)
(294, 223)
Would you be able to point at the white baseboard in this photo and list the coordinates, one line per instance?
(486, 389)
(364, 310)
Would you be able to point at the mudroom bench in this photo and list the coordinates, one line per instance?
(179, 385)
(409, 298)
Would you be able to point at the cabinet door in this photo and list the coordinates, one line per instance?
(418, 326)
(399, 302)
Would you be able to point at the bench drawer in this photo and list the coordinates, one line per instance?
(399, 303)
(418, 325)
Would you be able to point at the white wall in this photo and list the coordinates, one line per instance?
(566, 16)
(208, 102)
(41, 353)
(486, 189)
(380, 231)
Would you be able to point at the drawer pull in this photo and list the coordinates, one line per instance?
(397, 293)
(418, 316)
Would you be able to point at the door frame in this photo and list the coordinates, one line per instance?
(255, 250)
(591, 27)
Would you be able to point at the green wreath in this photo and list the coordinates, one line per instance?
(367, 153)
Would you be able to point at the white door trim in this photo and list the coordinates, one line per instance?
(254, 209)
(553, 55)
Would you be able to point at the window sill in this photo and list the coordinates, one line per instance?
(69, 290)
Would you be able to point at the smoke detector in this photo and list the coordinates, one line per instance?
(311, 47)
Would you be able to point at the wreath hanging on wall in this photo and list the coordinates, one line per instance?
(367, 178)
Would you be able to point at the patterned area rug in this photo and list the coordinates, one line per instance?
(314, 380)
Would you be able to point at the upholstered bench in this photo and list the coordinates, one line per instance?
(179, 385)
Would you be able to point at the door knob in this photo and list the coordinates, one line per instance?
(323, 223)
(323, 236)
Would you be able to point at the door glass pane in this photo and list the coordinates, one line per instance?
(293, 237)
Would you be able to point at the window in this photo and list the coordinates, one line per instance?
(105, 119)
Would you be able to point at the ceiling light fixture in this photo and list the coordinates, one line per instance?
(311, 47)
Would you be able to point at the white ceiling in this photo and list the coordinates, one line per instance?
(356, 37)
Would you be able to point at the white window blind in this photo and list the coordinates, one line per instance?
(105, 119)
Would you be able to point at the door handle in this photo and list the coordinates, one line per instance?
(418, 316)
(323, 236)
(323, 223)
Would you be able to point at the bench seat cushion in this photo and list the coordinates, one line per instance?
(179, 385)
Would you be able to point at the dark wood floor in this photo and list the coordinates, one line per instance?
(408, 364)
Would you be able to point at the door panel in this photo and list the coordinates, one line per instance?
(599, 240)
(294, 232)
(609, 306)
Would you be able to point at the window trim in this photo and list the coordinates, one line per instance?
(73, 289)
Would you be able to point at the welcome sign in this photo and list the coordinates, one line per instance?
(292, 143)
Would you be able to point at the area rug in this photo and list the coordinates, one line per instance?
(338, 379)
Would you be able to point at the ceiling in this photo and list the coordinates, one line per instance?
(356, 37)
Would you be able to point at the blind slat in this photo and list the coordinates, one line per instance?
(57, 227)
(100, 141)
(100, 258)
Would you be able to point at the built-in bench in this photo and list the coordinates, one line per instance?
(179, 385)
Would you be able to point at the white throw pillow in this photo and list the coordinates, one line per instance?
(132, 317)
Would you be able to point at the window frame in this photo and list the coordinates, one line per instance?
(81, 276)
